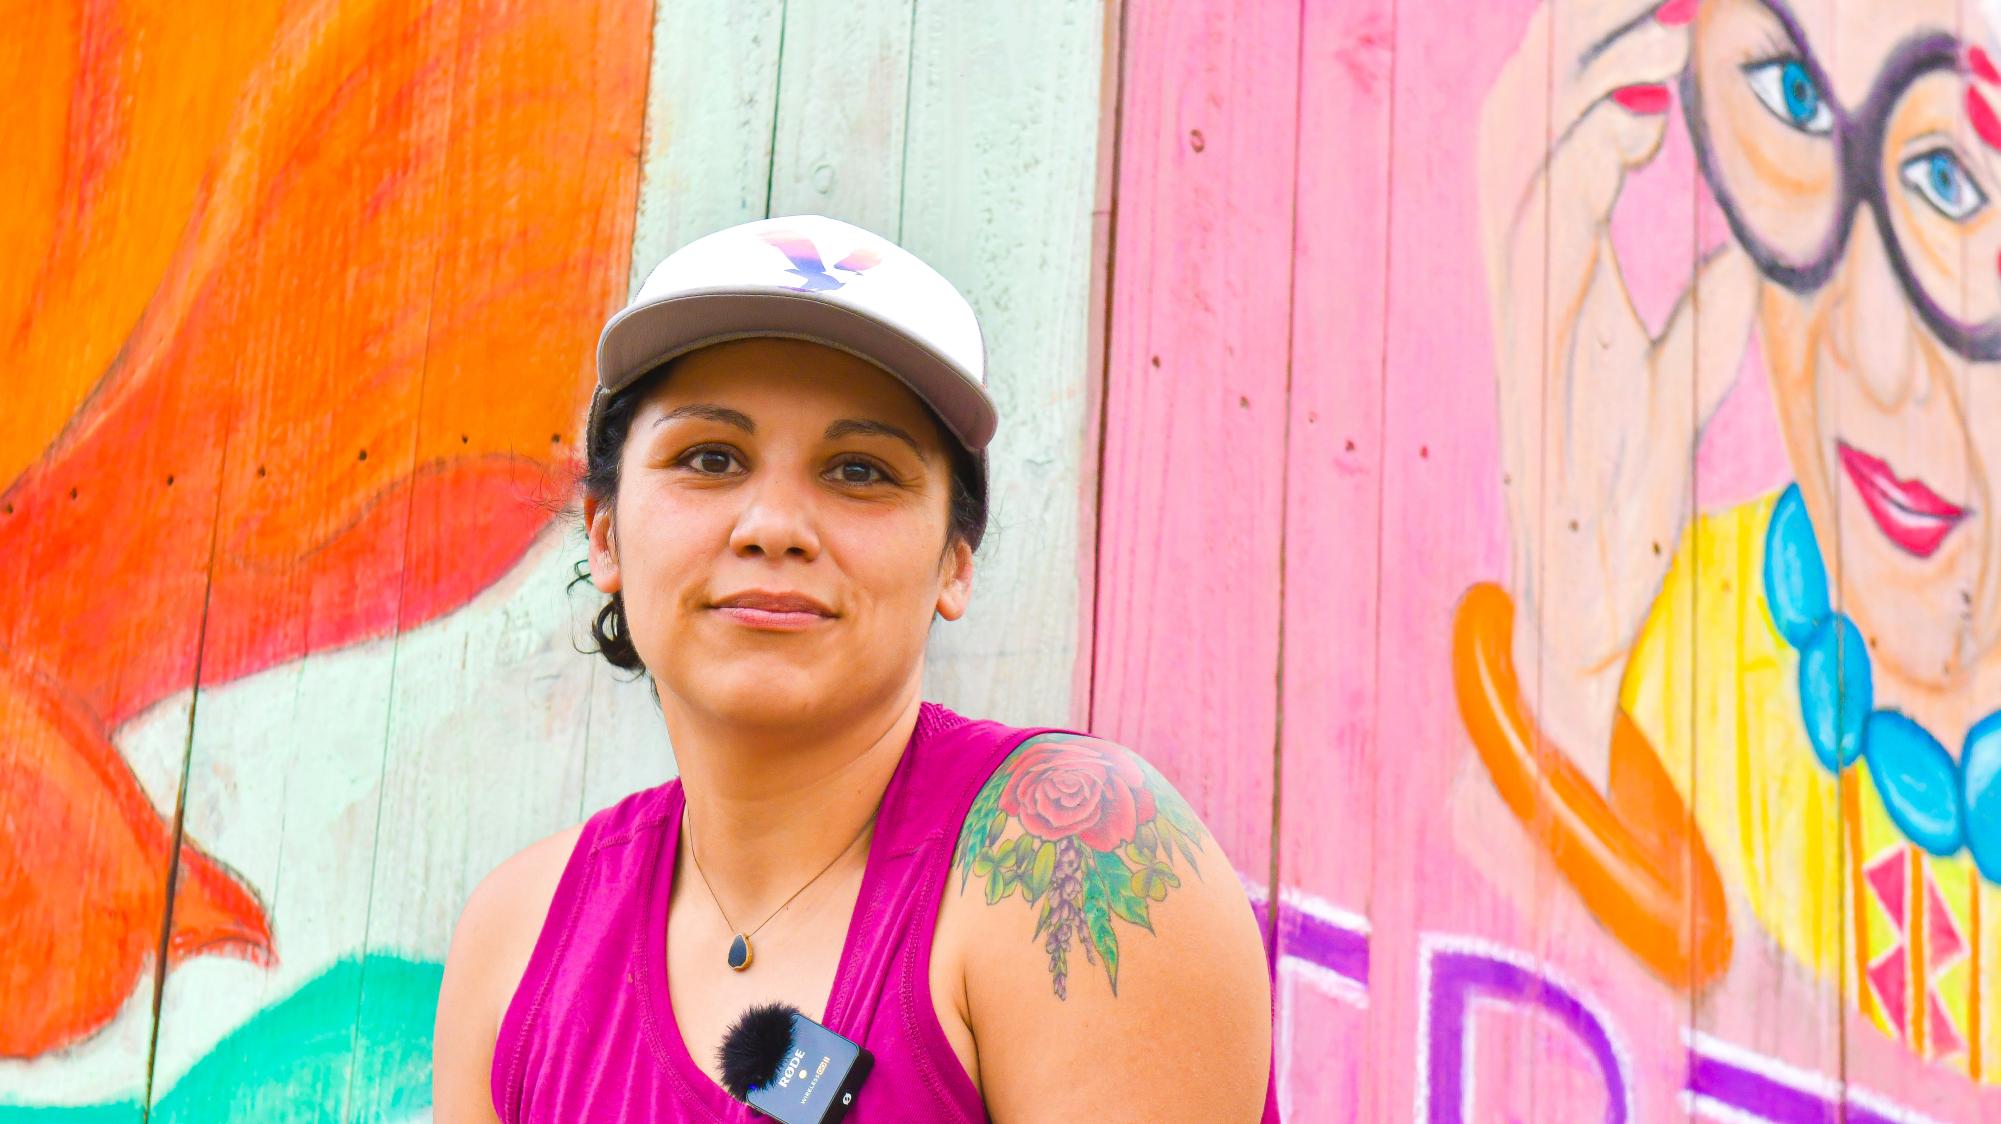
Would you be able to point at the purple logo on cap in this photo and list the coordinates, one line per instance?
(807, 267)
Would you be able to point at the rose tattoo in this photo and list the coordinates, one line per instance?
(1099, 832)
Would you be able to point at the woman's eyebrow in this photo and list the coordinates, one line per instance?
(708, 412)
(848, 427)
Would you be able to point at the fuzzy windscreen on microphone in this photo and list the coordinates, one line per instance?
(754, 1047)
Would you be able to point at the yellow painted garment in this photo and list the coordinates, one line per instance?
(1819, 865)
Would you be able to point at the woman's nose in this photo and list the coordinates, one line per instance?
(776, 521)
(1871, 323)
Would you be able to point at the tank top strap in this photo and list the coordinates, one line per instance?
(948, 760)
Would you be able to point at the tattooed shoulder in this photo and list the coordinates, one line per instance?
(1087, 833)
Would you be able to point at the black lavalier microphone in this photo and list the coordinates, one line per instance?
(790, 1068)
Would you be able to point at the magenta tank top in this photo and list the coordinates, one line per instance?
(590, 1033)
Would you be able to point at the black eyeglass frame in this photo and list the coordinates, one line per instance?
(1860, 181)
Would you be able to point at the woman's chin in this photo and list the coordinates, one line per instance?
(778, 695)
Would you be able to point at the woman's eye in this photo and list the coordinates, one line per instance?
(709, 462)
(858, 472)
(1945, 184)
(1789, 91)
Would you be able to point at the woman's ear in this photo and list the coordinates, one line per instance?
(604, 545)
(957, 588)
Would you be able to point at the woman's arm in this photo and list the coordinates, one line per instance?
(1113, 967)
(491, 944)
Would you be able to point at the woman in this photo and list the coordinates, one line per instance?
(786, 485)
(1816, 673)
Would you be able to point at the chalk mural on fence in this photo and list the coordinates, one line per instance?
(1693, 524)
(302, 304)
(1794, 669)
(1629, 391)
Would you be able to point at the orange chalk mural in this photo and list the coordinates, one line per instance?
(298, 315)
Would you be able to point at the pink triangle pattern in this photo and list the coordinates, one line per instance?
(1944, 947)
(1890, 973)
(1891, 978)
(1943, 943)
(1885, 875)
(1945, 1037)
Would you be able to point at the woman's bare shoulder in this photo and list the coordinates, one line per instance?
(491, 944)
(1090, 908)
(500, 921)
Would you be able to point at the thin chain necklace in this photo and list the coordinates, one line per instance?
(740, 951)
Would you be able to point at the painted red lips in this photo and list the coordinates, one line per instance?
(1908, 512)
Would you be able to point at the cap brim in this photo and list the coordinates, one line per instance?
(641, 338)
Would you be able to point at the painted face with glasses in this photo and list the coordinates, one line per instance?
(1854, 159)
(1854, 148)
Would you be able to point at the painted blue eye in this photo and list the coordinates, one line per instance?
(1786, 88)
(1944, 183)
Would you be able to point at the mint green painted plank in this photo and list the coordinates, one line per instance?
(709, 110)
(844, 81)
(999, 179)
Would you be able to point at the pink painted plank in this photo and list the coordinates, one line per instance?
(1465, 903)
(1328, 745)
(1186, 628)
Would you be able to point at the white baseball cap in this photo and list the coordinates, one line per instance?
(813, 278)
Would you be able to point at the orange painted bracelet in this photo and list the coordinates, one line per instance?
(1637, 859)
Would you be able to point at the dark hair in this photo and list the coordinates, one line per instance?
(604, 441)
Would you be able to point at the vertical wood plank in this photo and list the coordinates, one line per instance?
(1187, 618)
(997, 195)
(843, 100)
(712, 94)
(1328, 746)
(1111, 96)
(1920, 1035)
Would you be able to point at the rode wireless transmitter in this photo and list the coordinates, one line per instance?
(790, 1068)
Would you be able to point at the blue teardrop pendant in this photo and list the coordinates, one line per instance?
(740, 953)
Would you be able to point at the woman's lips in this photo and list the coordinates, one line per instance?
(772, 619)
(1910, 514)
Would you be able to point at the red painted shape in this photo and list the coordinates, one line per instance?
(1985, 125)
(1648, 99)
(83, 874)
(1886, 877)
(1891, 979)
(342, 414)
(1945, 1037)
(1675, 13)
(1943, 942)
(1982, 66)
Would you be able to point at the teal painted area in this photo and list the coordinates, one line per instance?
(291, 1061)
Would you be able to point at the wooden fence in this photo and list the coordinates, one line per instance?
(1525, 498)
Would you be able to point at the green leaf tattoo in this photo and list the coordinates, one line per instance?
(1088, 831)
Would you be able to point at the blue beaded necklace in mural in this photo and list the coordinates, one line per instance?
(1939, 804)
